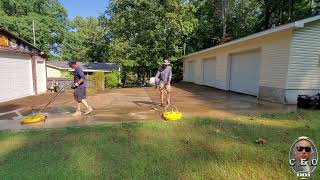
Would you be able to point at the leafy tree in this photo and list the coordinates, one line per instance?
(243, 18)
(275, 13)
(85, 41)
(139, 34)
(50, 19)
(209, 25)
(147, 31)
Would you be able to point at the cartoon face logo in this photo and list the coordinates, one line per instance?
(303, 157)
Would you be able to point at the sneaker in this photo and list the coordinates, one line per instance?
(77, 113)
(88, 111)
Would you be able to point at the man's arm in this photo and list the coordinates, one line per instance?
(80, 81)
(82, 77)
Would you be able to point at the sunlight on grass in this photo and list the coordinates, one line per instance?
(198, 148)
(11, 143)
(281, 122)
(278, 123)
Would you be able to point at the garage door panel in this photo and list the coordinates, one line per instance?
(15, 76)
(209, 72)
(245, 73)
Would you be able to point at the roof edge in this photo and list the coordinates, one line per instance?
(296, 24)
(20, 39)
(57, 67)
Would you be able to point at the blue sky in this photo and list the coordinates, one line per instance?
(84, 8)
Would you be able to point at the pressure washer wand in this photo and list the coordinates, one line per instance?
(61, 91)
(38, 118)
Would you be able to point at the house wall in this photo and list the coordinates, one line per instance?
(41, 75)
(53, 72)
(304, 66)
(274, 50)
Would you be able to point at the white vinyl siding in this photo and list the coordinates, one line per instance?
(198, 72)
(53, 73)
(41, 76)
(15, 76)
(222, 63)
(304, 66)
(209, 72)
(274, 64)
(191, 71)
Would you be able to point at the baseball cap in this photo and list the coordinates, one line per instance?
(70, 62)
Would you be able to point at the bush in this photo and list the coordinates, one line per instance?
(131, 77)
(112, 79)
(98, 79)
(67, 74)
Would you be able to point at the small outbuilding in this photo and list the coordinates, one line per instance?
(22, 68)
(58, 69)
(274, 65)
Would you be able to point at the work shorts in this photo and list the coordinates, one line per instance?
(165, 87)
(79, 94)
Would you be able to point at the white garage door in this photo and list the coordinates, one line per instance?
(41, 77)
(15, 76)
(209, 72)
(245, 73)
(191, 72)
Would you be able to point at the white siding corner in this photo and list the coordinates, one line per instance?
(275, 60)
(53, 73)
(304, 66)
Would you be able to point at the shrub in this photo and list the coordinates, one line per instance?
(67, 74)
(98, 79)
(91, 91)
(112, 79)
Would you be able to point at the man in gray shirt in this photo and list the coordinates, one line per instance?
(163, 81)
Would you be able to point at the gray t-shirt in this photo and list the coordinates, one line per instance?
(164, 75)
(79, 74)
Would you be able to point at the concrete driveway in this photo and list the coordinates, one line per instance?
(134, 104)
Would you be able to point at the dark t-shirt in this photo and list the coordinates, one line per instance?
(78, 74)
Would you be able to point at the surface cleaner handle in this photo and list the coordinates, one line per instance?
(173, 107)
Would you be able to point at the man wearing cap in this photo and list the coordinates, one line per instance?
(80, 89)
(163, 81)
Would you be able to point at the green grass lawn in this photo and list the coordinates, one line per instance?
(189, 149)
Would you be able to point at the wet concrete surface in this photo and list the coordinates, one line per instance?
(133, 104)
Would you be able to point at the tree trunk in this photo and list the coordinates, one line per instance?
(224, 18)
(267, 14)
(314, 6)
(290, 10)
